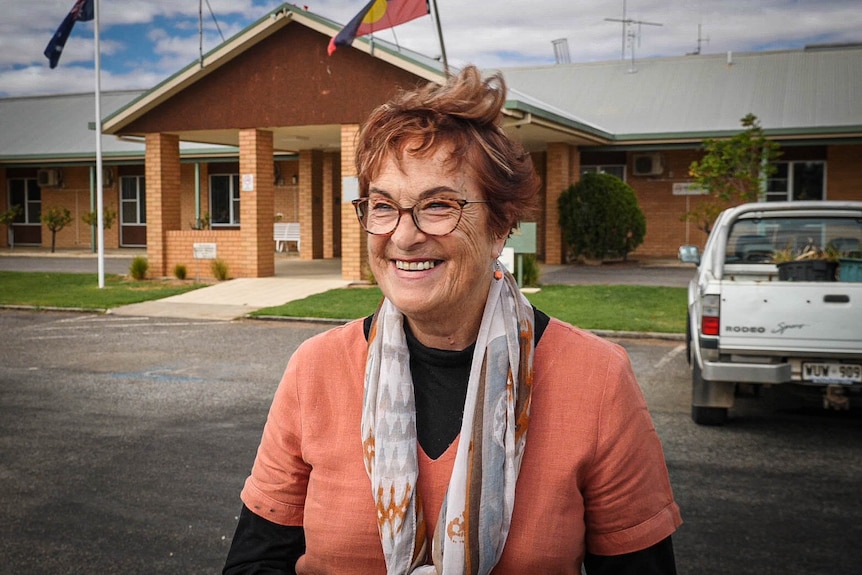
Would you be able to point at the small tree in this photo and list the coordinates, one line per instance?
(7, 218)
(600, 217)
(109, 216)
(733, 171)
(55, 220)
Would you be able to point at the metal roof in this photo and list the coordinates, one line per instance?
(813, 94)
(60, 129)
(805, 92)
(58, 126)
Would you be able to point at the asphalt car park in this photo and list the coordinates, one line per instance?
(126, 441)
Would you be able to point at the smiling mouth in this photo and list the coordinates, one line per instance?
(415, 266)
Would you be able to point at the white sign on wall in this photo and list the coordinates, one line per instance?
(688, 189)
(247, 183)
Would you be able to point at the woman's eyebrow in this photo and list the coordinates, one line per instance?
(429, 193)
(378, 191)
(437, 190)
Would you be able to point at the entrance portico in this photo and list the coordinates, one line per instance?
(291, 114)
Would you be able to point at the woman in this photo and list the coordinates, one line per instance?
(458, 430)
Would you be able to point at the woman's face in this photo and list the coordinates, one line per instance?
(438, 282)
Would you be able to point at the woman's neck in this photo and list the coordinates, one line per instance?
(456, 332)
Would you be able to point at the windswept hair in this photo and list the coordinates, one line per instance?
(464, 115)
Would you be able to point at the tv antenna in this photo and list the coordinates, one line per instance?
(700, 41)
(630, 34)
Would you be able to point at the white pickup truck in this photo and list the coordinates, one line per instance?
(750, 325)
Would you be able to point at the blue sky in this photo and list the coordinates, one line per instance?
(145, 41)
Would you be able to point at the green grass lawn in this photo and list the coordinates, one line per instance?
(82, 290)
(622, 308)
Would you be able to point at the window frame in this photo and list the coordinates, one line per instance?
(139, 201)
(233, 200)
(605, 169)
(792, 183)
(31, 209)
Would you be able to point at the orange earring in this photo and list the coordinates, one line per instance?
(498, 273)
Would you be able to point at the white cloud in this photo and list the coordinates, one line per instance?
(145, 41)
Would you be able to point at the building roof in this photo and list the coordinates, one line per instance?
(815, 92)
(60, 129)
(810, 95)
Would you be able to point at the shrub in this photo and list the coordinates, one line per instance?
(139, 267)
(180, 271)
(219, 269)
(529, 270)
(600, 217)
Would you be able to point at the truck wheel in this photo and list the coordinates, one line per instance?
(708, 415)
(705, 415)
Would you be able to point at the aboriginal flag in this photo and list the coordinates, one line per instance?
(378, 15)
(83, 11)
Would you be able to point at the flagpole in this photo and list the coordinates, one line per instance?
(100, 229)
(440, 35)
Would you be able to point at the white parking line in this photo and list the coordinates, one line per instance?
(669, 356)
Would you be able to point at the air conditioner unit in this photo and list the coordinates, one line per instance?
(647, 165)
(48, 178)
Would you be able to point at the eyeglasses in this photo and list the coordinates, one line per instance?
(433, 216)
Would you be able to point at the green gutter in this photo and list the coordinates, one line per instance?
(558, 119)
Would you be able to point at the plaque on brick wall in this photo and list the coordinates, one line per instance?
(204, 251)
(247, 183)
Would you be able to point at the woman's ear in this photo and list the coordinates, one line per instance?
(499, 244)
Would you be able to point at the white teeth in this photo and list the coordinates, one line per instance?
(414, 266)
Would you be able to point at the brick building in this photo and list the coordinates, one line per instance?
(262, 130)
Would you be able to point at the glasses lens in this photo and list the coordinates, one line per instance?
(437, 216)
(434, 216)
(378, 216)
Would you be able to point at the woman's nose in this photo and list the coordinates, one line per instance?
(406, 231)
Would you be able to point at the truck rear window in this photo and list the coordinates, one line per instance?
(759, 240)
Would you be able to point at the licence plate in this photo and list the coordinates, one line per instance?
(832, 372)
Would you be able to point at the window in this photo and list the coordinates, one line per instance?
(756, 240)
(224, 200)
(25, 192)
(133, 206)
(618, 171)
(797, 181)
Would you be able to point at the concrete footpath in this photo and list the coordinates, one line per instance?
(296, 279)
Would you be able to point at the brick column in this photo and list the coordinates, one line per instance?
(311, 204)
(256, 202)
(331, 205)
(162, 165)
(563, 168)
(353, 239)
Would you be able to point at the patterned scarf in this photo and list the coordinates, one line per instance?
(477, 510)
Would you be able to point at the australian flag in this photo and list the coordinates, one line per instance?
(82, 10)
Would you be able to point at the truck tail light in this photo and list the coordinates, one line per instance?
(710, 323)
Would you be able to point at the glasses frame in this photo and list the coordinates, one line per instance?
(360, 202)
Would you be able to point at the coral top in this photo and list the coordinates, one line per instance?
(593, 475)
